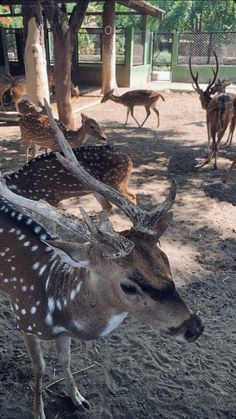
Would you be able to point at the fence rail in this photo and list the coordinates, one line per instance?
(201, 46)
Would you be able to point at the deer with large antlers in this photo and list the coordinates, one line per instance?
(45, 178)
(146, 98)
(219, 111)
(85, 288)
(37, 132)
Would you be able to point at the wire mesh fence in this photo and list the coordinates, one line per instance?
(139, 39)
(201, 46)
(162, 51)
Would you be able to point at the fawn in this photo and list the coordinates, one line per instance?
(45, 178)
(146, 98)
(36, 130)
(219, 111)
(61, 290)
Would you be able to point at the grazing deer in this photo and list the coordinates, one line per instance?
(45, 178)
(219, 112)
(36, 130)
(51, 82)
(146, 98)
(5, 85)
(61, 290)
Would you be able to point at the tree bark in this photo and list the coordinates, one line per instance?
(109, 48)
(34, 56)
(64, 35)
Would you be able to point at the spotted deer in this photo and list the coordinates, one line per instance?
(36, 130)
(5, 84)
(219, 112)
(146, 98)
(45, 178)
(83, 289)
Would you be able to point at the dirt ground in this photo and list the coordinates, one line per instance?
(135, 372)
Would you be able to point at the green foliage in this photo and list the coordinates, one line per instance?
(162, 58)
(195, 16)
(85, 45)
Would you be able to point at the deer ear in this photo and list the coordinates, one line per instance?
(83, 117)
(163, 223)
(73, 254)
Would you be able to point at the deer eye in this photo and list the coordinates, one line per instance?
(92, 127)
(129, 289)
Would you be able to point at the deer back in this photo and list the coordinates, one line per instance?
(220, 112)
(45, 178)
(36, 129)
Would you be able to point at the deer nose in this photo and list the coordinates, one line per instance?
(190, 329)
(194, 328)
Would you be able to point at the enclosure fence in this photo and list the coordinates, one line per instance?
(201, 46)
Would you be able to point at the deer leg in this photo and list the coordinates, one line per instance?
(132, 114)
(147, 116)
(157, 113)
(32, 343)
(2, 103)
(127, 115)
(27, 153)
(208, 138)
(63, 350)
(106, 206)
(225, 178)
(231, 131)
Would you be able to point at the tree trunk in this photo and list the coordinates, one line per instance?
(34, 56)
(108, 48)
(62, 76)
(64, 35)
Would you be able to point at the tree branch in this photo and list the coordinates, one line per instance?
(76, 19)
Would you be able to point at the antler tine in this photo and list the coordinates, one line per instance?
(195, 78)
(215, 72)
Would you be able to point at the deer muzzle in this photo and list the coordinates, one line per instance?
(190, 329)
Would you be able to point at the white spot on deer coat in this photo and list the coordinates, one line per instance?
(113, 323)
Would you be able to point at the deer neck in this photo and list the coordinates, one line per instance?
(78, 137)
(80, 306)
(115, 98)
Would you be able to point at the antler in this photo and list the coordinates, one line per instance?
(153, 223)
(195, 78)
(111, 243)
(215, 72)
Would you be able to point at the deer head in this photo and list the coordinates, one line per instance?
(92, 128)
(204, 95)
(107, 96)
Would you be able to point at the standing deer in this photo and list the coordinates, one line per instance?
(61, 290)
(219, 112)
(146, 98)
(45, 178)
(36, 130)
